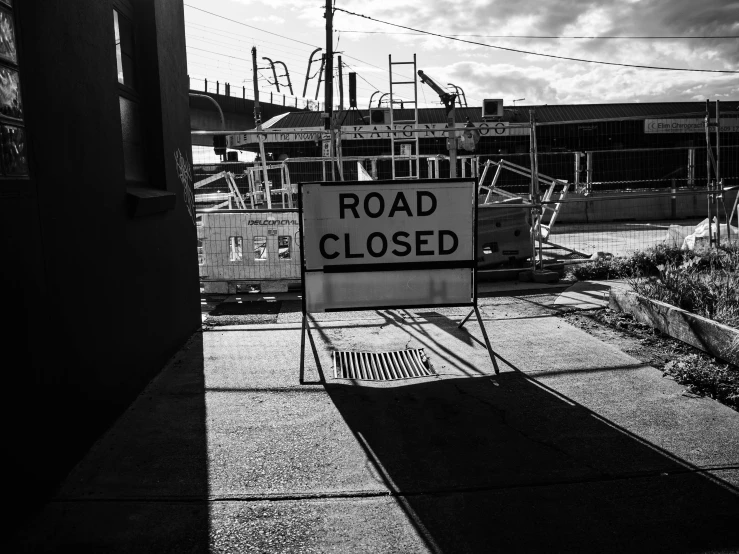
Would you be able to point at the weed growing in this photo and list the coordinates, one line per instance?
(706, 378)
(704, 282)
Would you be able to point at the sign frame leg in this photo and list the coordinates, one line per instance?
(476, 311)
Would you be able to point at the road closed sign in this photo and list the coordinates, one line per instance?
(370, 244)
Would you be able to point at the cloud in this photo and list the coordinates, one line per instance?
(556, 84)
(269, 19)
(577, 17)
(485, 72)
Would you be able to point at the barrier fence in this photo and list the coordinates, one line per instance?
(607, 200)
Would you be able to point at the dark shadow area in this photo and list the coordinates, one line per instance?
(247, 308)
(312, 354)
(522, 292)
(143, 486)
(449, 325)
(503, 464)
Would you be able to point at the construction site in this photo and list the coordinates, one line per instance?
(556, 185)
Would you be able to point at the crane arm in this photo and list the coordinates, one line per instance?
(447, 98)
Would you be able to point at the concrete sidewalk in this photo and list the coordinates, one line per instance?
(575, 446)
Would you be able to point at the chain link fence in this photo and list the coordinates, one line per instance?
(604, 199)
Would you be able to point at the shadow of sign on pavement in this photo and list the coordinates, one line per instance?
(502, 464)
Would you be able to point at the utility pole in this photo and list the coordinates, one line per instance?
(258, 123)
(328, 84)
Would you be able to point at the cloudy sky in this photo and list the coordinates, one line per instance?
(289, 30)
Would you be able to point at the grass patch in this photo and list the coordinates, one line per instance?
(704, 282)
(706, 378)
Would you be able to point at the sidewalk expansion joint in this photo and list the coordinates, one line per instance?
(348, 495)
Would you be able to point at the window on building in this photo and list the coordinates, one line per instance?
(13, 152)
(134, 150)
(201, 252)
(235, 249)
(283, 247)
(260, 248)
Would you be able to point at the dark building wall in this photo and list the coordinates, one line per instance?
(104, 279)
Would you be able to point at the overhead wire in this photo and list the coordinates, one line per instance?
(292, 51)
(567, 58)
(250, 26)
(676, 37)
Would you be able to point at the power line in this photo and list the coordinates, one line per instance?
(535, 53)
(251, 27)
(218, 54)
(196, 28)
(360, 76)
(603, 37)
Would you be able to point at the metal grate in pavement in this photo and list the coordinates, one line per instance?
(381, 366)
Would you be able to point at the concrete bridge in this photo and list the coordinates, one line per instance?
(237, 112)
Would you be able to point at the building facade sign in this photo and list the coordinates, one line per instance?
(692, 125)
(370, 132)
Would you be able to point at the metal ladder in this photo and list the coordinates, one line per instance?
(412, 141)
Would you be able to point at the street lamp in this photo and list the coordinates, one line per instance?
(517, 100)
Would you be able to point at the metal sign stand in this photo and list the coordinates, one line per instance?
(305, 325)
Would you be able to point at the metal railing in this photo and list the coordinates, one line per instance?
(246, 93)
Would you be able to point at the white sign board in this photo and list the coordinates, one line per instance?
(693, 125)
(370, 244)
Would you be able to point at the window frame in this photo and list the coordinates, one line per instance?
(236, 249)
(123, 9)
(8, 120)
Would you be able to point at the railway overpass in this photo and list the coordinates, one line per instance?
(237, 112)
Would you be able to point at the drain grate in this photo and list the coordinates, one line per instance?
(381, 366)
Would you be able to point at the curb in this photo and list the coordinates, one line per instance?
(705, 334)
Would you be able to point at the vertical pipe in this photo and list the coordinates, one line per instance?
(719, 184)
(258, 122)
(708, 173)
(691, 167)
(341, 85)
(452, 143)
(589, 173)
(540, 209)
